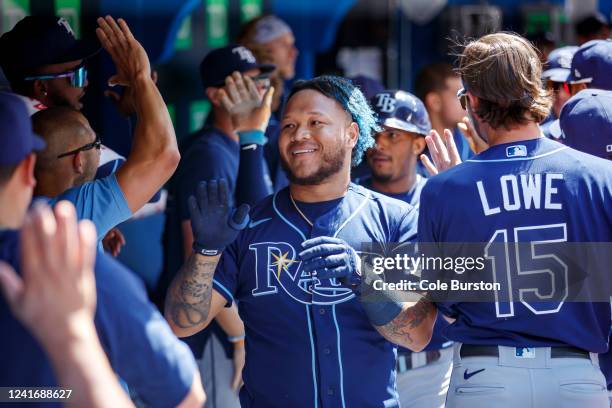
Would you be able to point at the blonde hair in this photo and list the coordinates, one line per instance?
(504, 71)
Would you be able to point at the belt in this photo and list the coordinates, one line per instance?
(468, 350)
(405, 361)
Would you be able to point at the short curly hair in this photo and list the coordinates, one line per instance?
(504, 71)
(352, 101)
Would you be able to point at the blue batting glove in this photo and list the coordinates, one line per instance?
(214, 222)
(327, 257)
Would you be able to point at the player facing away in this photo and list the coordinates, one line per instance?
(534, 347)
(294, 271)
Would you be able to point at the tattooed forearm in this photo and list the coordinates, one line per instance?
(412, 327)
(188, 298)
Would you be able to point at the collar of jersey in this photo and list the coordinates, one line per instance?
(536, 148)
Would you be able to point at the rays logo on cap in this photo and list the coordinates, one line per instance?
(62, 21)
(516, 151)
(245, 54)
(577, 73)
(385, 103)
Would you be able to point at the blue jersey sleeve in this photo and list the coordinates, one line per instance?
(226, 275)
(100, 201)
(202, 163)
(407, 231)
(140, 345)
(253, 183)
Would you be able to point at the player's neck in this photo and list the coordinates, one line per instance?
(438, 124)
(51, 185)
(529, 131)
(398, 186)
(330, 189)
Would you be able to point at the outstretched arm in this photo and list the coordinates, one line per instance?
(155, 155)
(191, 302)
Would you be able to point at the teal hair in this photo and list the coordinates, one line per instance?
(353, 102)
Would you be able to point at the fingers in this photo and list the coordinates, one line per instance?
(267, 99)
(44, 229)
(252, 88)
(321, 250)
(232, 91)
(194, 210)
(11, 285)
(240, 217)
(120, 237)
(125, 30)
(87, 238)
(225, 100)
(213, 193)
(241, 87)
(429, 166)
(202, 196)
(331, 261)
(441, 151)
(449, 142)
(322, 240)
(154, 76)
(117, 34)
(66, 238)
(223, 195)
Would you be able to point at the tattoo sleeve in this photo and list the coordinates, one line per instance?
(412, 327)
(188, 299)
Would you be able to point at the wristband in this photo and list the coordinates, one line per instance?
(206, 252)
(255, 136)
(236, 339)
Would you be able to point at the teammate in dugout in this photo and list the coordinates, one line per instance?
(423, 377)
(294, 271)
(529, 353)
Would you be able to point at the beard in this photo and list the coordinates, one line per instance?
(474, 122)
(331, 163)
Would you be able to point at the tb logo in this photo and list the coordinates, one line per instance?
(385, 102)
(244, 54)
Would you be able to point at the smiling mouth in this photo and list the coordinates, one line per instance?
(302, 151)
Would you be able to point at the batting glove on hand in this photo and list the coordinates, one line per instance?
(327, 257)
(214, 222)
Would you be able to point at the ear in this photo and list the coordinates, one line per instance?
(353, 134)
(26, 170)
(433, 102)
(474, 101)
(77, 163)
(418, 145)
(212, 95)
(40, 89)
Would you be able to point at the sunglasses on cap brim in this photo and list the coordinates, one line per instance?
(77, 76)
(261, 79)
(462, 96)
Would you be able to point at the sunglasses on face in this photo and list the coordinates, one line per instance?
(77, 76)
(96, 144)
(462, 96)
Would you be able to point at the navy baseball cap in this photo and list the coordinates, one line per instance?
(586, 122)
(41, 40)
(559, 64)
(16, 135)
(592, 63)
(401, 110)
(369, 86)
(221, 62)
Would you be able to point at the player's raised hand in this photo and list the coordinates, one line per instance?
(248, 107)
(55, 297)
(327, 257)
(477, 144)
(215, 223)
(127, 53)
(443, 152)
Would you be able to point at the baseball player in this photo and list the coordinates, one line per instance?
(423, 377)
(520, 350)
(295, 269)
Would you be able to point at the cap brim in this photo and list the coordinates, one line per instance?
(573, 80)
(401, 125)
(82, 49)
(556, 74)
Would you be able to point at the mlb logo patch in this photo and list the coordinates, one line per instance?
(516, 151)
(524, 352)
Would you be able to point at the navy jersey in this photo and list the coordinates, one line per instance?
(536, 191)
(308, 341)
(413, 197)
(140, 346)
